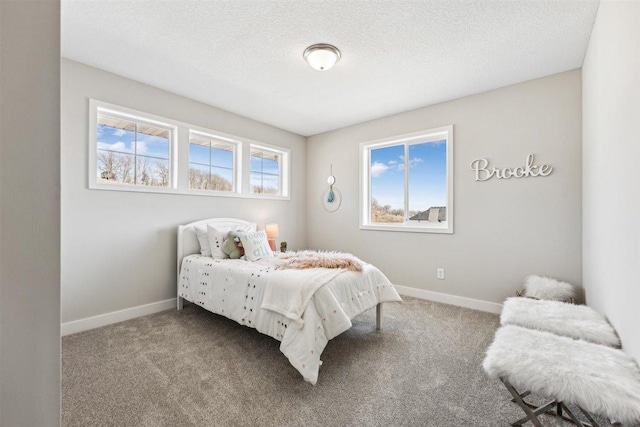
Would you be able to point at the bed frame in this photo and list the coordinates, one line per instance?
(188, 245)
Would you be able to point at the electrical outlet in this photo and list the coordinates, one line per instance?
(440, 273)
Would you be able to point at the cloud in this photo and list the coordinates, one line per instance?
(378, 168)
(392, 162)
(116, 146)
(412, 163)
(119, 132)
(141, 147)
(122, 147)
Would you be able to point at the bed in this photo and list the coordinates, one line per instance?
(303, 309)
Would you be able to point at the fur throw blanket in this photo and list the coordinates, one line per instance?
(560, 318)
(548, 289)
(599, 379)
(319, 259)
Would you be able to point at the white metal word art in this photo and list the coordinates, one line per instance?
(483, 172)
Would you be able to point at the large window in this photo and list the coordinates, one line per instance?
(407, 182)
(211, 163)
(266, 170)
(135, 151)
(132, 152)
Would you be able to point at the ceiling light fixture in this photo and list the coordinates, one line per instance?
(322, 56)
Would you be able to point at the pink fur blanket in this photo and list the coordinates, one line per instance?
(319, 259)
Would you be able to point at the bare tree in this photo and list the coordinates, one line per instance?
(198, 180)
(219, 183)
(384, 214)
(107, 164)
(142, 171)
(126, 168)
(162, 169)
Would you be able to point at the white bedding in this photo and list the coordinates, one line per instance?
(236, 289)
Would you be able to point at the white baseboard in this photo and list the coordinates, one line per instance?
(72, 327)
(475, 304)
(115, 317)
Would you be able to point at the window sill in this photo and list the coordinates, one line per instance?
(442, 229)
(160, 190)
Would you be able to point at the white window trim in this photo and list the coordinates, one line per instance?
(179, 156)
(283, 170)
(428, 135)
(125, 113)
(237, 155)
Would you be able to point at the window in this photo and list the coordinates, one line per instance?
(211, 163)
(407, 182)
(135, 151)
(132, 152)
(266, 171)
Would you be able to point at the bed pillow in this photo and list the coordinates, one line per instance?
(203, 238)
(250, 228)
(256, 245)
(216, 238)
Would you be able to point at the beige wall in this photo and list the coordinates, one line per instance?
(30, 213)
(119, 248)
(611, 151)
(504, 229)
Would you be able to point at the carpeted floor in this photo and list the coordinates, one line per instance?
(194, 368)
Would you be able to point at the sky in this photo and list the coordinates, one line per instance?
(124, 141)
(221, 161)
(427, 175)
(264, 172)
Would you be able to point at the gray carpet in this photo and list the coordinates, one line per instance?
(194, 368)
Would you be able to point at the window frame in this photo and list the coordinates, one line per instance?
(179, 156)
(283, 170)
(237, 154)
(137, 117)
(424, 136)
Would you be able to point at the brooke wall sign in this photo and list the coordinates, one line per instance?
(483, 172)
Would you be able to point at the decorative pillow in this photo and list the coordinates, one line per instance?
(248, 228)
(202, 232)
(256, 245)
(203, 238)
(548, 289)
(216, 239)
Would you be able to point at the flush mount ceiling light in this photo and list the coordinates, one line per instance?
(322, 56)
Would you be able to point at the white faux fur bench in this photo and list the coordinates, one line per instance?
(560, 318)
(597, 379)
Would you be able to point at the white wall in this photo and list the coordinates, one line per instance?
(119, 248)
(611, 151)
(504, 229)
(30, 213)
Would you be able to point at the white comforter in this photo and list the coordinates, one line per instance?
(304, 322)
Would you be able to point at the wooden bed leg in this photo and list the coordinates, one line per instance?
(180, 303)
(378, 316)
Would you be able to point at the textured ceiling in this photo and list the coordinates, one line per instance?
(246, 56)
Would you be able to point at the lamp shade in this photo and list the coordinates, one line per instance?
(272, 230)
(322, 56)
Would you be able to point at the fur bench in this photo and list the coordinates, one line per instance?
(560, 318)
(597, 379)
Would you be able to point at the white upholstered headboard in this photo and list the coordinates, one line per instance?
(188, 241)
